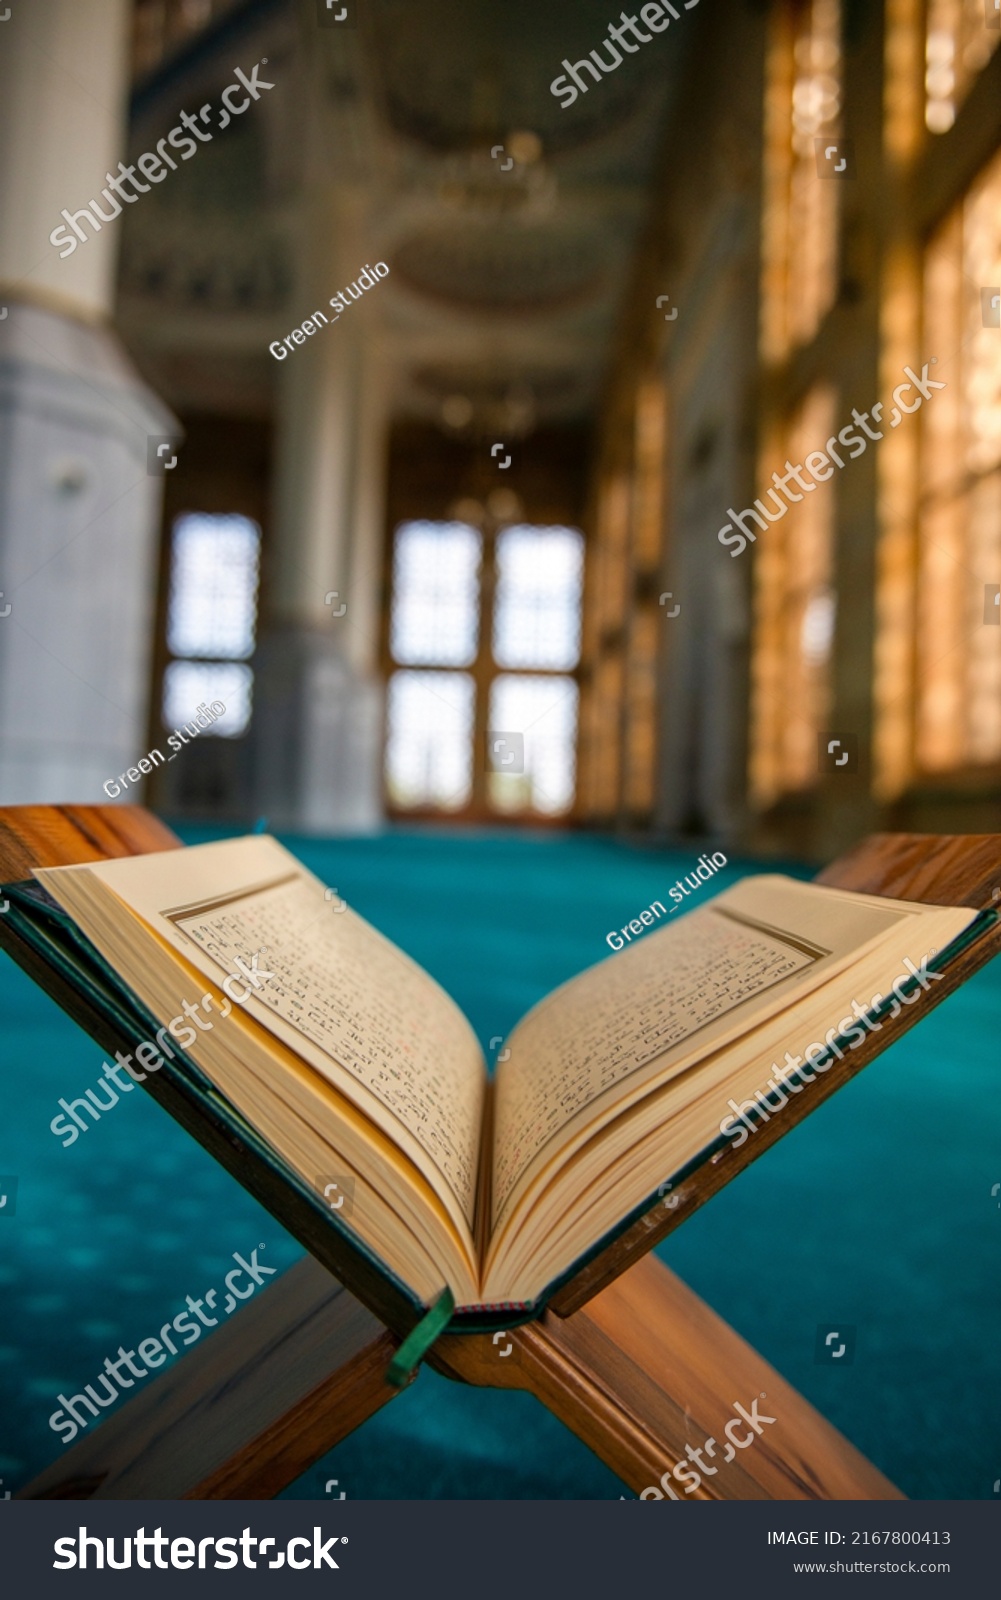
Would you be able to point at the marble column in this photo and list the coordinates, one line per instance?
(317, 725)
(79, 512)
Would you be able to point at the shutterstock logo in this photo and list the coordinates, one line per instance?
(181, 1553)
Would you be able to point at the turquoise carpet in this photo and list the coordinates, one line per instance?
(877, 1212)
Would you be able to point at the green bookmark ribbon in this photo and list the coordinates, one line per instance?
(419, 1341)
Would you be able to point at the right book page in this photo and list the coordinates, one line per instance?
(620, 1032)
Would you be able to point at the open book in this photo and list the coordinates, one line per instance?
(355, 1067)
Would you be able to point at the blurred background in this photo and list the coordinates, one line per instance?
(450, 563)
(486, 499)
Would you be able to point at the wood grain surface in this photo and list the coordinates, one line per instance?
(246, 1411)
(647, 1368)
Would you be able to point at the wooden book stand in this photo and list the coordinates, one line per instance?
(626, 1356)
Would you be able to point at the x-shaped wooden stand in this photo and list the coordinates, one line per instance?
(627, 1357)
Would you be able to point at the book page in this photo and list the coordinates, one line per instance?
(590, 1047)
(635, 1011)
(370, 1008)
(337, 992)
(599, 1173)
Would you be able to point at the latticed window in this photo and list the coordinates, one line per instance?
(484, 636)
(794, 613)
(961, 36)
(958, 625)
(800, 218)
(211, 620)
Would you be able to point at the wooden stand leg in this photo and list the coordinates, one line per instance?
(643, 1370)
(646, 1368)
(244, 1413)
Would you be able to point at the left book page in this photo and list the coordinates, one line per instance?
(337, 993)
